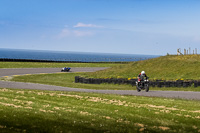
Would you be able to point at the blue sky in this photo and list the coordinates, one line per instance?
(154, 27)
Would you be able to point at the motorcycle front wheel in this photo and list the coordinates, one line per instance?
(138, 88)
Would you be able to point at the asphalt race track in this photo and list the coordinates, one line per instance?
(22, 71)
(21, 85)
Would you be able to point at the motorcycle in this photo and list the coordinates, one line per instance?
(65, 69)
(142, 85)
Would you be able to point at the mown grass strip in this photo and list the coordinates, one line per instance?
(53, 65)
(55, 111)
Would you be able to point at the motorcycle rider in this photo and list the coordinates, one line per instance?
(141, 76)
(66, 69)
(140, 84)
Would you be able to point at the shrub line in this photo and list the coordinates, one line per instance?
(153, 83)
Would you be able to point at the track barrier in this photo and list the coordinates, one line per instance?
(152, 83)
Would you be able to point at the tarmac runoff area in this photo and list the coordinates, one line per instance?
(24, 71)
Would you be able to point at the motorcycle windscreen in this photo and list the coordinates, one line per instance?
(142, 77)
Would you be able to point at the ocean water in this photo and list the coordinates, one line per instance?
(71, 56)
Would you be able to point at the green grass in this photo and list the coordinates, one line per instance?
(67, 80)
(55, 111)
(52, 65)
(166, 67)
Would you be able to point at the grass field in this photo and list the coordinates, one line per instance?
(52, 65)
(55, 111)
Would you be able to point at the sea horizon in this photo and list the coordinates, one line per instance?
(7, 53)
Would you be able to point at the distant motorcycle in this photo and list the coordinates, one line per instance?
(65, 69)
(142, 85)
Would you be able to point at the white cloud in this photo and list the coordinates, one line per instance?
(77, 33)
(72, 32)
(87, 25)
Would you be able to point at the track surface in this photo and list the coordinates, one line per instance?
(21, 85)
(21, 71)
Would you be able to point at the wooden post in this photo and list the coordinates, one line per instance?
(189, 50)
(179, 51)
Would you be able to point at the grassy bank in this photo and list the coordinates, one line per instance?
(46, 111)
(52, 65)
(166, 67)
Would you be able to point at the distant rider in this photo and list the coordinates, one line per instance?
(64, 68)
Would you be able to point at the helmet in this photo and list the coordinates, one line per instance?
(143, 72)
